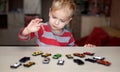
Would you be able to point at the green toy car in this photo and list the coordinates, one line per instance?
(56, 56)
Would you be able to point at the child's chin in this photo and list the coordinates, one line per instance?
(54, 28)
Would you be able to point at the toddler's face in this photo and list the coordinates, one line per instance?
(58, 19)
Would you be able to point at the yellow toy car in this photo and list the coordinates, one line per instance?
(36, 53)
(29, 64)
(46, 55)
(69, 56)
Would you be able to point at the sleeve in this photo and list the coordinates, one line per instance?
(25, 37)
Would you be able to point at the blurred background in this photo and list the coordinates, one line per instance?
(95, 21)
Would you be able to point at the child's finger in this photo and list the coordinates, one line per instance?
(37, 20)
(39, 24)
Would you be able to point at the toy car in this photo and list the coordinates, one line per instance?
(89, 53)
(106, 63)
(90, 60)
(98, 58)
(36, 53)
(60, 62)
(16, 65)
(24, 59)
(56, 56)
(46, 55)
(46, 60)
(69, 56)
(29, 64)
(79, 55)
(78, 61)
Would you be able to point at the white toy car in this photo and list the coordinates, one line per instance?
(98, 58)
(60, 62)
(16, 65)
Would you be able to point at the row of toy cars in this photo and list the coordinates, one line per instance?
(46, 60)
(95, 59)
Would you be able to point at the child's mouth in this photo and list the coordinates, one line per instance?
(54, 27)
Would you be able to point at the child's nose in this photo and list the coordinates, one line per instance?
(57, 22)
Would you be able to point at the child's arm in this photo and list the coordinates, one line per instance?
(28, 32)
(33, 26)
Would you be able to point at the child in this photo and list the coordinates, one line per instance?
(53, 32)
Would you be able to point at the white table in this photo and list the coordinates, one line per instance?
(12, 54)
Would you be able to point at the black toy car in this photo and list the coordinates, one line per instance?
(90, 60)
(78, 61)
(24, 59)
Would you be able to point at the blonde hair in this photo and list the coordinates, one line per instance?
(59, 4)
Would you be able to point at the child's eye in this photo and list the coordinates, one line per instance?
(62, 21)
(54, 17)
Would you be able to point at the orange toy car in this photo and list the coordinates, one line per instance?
(79, 55)
(103, 62)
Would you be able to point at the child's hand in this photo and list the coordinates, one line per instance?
(89, 45)
(33, 26)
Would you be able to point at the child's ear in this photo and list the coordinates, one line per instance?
(69, 20)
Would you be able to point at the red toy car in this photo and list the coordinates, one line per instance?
(89, 53)
(103, 62)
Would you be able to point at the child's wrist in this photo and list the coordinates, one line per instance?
(26, 31)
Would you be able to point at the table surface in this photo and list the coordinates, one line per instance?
(12, 54)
